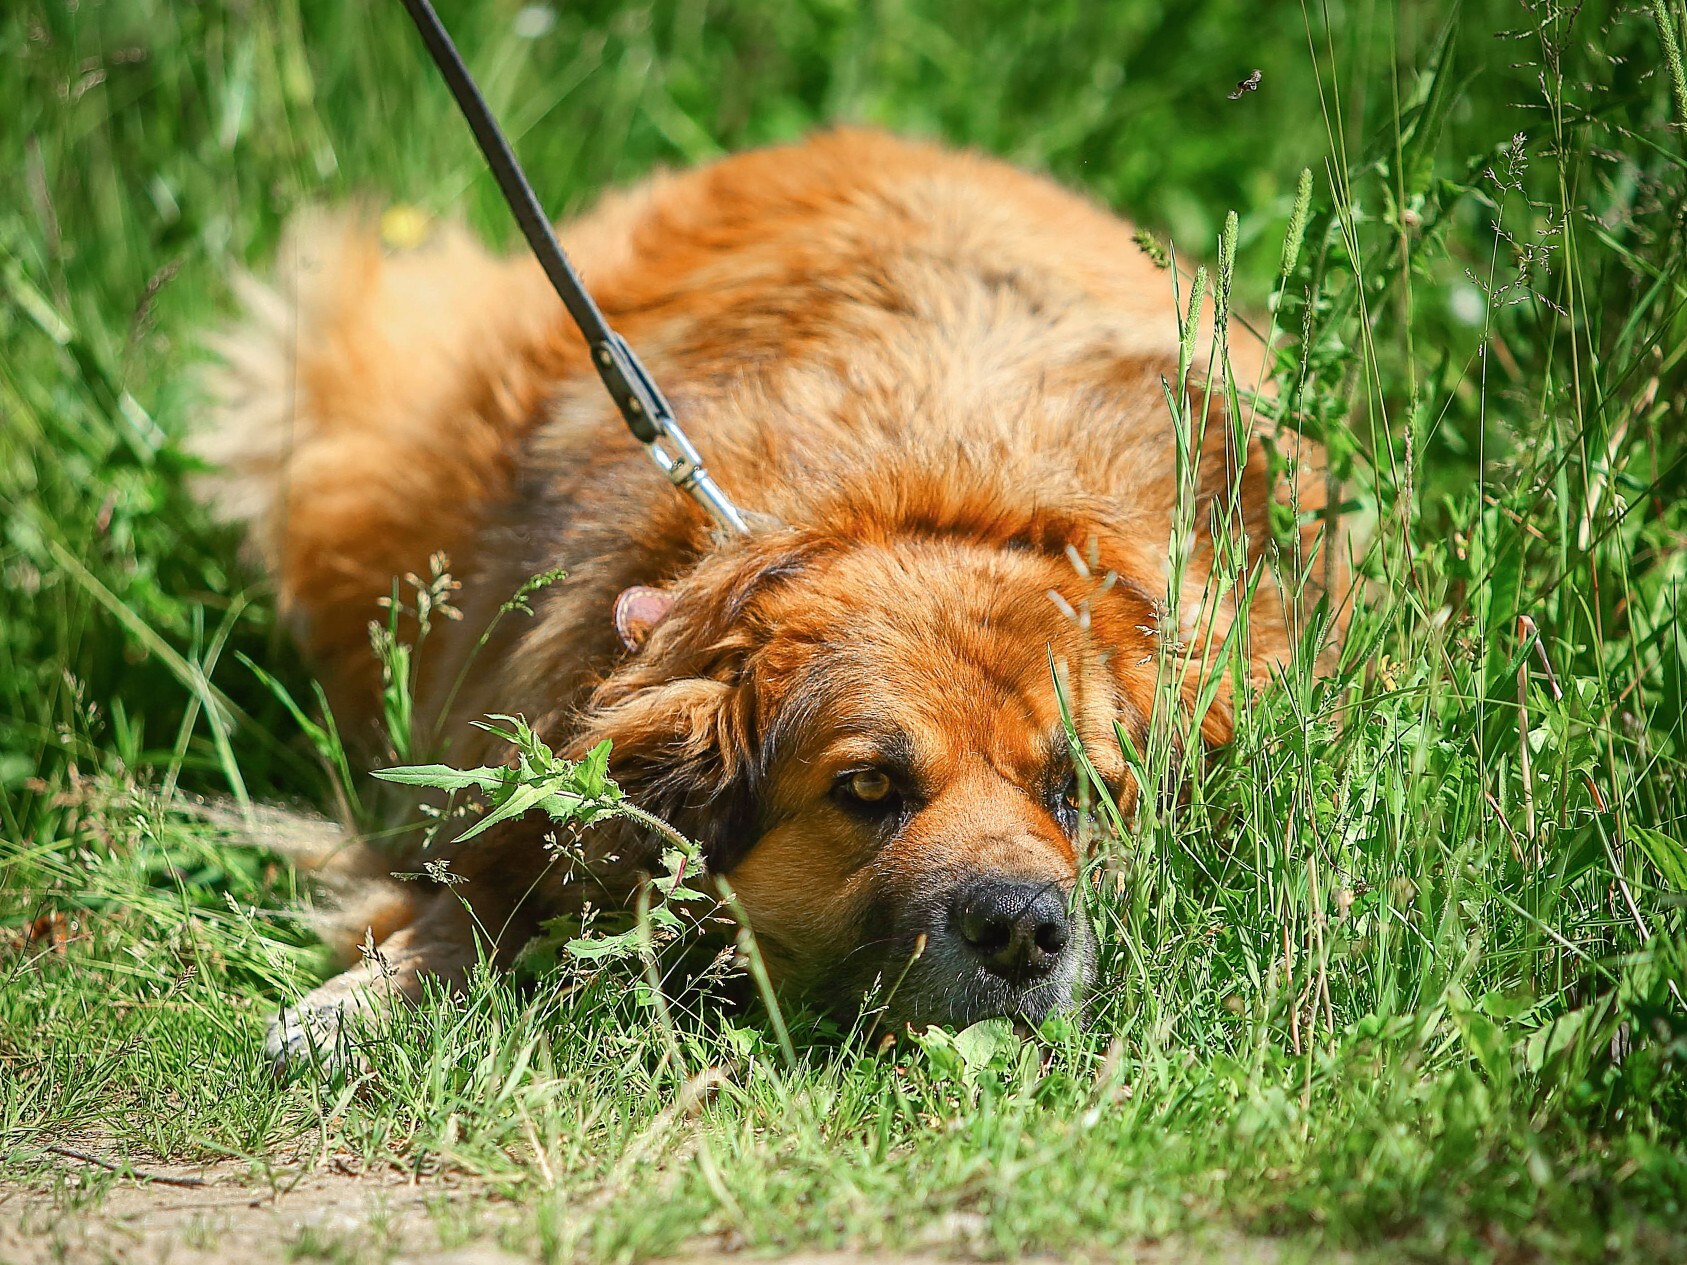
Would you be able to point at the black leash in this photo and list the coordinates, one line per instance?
(641, 402)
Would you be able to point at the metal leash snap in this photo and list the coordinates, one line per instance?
(641, 403)
(685, 471)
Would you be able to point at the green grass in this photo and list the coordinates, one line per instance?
(1399, 972)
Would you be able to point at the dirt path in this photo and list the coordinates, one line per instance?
(80, 1215)
(76, 1213)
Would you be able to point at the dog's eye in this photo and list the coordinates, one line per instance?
(1069, 805)
(870, 786)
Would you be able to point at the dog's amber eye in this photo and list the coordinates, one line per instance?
(870, 786)
(1070, 806)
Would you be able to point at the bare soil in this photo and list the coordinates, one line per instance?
(79, 1213)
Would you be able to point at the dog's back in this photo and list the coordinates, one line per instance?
(821, 314)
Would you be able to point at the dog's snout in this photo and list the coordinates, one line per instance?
(1017, 929)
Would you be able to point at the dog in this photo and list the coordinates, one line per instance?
(938, 386)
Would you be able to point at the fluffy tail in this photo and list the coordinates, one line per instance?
(357, 896)
(360, 416)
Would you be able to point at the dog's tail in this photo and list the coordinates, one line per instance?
(360, 414)
(356, 897)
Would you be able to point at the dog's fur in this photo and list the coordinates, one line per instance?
(932, 380)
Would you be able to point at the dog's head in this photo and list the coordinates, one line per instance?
(860, 725)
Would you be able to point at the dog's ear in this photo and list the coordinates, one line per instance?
(683, 750)
(681, 713)
(638, 611)
(1242, 495)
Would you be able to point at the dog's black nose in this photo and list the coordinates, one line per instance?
(1018, 929)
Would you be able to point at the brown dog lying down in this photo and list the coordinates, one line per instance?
(928, 378)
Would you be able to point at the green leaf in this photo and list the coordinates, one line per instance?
(1549, 1041)
(941, 1056)
(444, 777)
(518, 802)
(979, 1044)
(1667, 854)
(592, 774)
(624, 944)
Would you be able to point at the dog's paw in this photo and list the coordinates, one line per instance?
(315, 1037)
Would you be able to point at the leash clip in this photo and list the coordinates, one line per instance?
(685, 471)
(652, 422)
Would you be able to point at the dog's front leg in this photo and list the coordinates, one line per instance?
(323, 1029)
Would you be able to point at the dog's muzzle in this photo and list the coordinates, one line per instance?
(996, 946)
(1017, 930)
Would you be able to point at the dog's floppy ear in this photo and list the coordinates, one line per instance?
(683, 751)
(1293, 566)
(680, 714)
(638, 611)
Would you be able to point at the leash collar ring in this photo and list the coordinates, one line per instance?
(641, 403)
